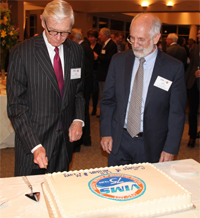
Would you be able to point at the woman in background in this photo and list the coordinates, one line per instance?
(96, 47)
(161, 45)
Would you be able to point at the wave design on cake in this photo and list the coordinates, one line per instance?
(119, 187)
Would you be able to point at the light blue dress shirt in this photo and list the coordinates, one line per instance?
(148, 70)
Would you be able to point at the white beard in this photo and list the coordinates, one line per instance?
(140, 52)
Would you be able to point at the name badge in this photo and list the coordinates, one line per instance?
(163, 83)
(103, 51)
(75, 73)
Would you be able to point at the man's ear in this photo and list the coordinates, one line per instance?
(156, 38)
(42, 21)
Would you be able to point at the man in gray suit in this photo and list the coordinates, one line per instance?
(45, 94)
(176, 50)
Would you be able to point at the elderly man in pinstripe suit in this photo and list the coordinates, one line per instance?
(45, 94)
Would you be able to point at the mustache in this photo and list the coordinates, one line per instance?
(137, 49)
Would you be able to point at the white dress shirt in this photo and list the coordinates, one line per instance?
(52, 53)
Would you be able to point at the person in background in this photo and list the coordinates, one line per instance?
(192, 79)
(191, 43)
(144, 99)
(45, 94)
(176, 50)
(112, 36)
(92, 36)
(182, 42)
(161, 46)
(76, 36)
(119, 37)
(109, 48)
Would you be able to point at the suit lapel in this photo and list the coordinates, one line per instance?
(42, 56)
(68, 60)
(108, 44)
(156, 71)
(128, 74)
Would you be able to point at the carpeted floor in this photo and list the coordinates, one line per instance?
(92, 157)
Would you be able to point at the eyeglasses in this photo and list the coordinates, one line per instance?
(54, 33)
(140, 41)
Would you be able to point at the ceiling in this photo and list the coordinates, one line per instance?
(125, 10)
(124, 6)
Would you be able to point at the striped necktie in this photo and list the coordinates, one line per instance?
(134, 112)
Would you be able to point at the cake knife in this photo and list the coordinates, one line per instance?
(33, 195)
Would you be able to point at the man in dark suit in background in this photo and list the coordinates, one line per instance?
(76, 36)
(175, 50)
(144, 98)
(193, 86)
(45, 94)
(109, 48)
(119, 37)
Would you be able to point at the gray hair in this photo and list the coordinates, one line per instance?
(173, 37)
(59, 10)
(156, 23)
(76, 33)
(105, 31)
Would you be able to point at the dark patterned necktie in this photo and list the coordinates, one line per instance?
(134, 112)
(58, 71)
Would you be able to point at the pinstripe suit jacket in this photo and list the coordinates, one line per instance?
(35, 107)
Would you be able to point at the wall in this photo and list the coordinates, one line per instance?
(17, 8)
(83, 21)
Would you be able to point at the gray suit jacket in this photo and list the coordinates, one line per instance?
(178, 52)
(35, 107)
(164, 112)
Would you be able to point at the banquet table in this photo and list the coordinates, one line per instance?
(13, 189)
(6, 130)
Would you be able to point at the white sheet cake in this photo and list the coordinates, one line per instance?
(138, 190)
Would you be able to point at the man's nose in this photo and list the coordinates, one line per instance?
(135, 44)
(58, 36)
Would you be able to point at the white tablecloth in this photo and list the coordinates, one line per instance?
(19, 206)
(6, 130)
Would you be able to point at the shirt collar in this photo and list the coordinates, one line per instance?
(173, 43)
(151, 57)
(106, 42)
(49, 46)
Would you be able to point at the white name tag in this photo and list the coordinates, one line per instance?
(103, 51)
(163, 83)
(75, 73)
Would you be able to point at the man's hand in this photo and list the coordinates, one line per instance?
(106, 143)
(166, 157)
(95, 55)
(40, 157)
(197, 73)
(75, 131)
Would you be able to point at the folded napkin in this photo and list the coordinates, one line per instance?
(183, 170)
